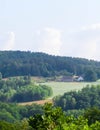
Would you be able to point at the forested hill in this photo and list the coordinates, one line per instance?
(15, 63)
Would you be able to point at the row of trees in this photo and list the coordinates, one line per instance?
(21, 89)
(14, 63)
(85, 98)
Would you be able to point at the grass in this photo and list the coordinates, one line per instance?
(60, 88)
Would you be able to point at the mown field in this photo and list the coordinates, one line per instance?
(60, 88)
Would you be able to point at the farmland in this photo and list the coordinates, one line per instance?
(60, 88)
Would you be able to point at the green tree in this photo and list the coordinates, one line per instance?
(51, 119)
(90, 75)
(92, 114)
(0, 76)
(7, 126)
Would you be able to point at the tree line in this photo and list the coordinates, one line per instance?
(19, 63)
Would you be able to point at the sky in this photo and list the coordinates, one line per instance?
(57, 27)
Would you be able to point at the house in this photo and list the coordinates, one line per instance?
(80, 78)
(67, 79)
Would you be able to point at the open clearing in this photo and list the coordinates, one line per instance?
(60, 88)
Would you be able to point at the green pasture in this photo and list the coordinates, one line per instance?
(60, 88)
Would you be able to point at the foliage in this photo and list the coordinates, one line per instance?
(23, 125)
(6, 126)
(51, 118)
(12, 112)
(85, 98)
(92, 114)
(55, 119)
(90, 75)
(19, 63)
(21, 90)
(75, 113)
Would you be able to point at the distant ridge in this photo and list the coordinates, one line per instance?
(19, 63)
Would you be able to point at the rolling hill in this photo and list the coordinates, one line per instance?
(19, 63)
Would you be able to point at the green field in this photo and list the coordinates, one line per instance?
(60, 88)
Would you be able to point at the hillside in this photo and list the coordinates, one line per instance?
(18, 63)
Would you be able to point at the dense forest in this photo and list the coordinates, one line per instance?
(53, 118)
(76, 110)
(18, 63)
(21, 89)
(12, 112)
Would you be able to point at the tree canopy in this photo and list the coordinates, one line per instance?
(85, 98)
(21, 89)
(19, 63)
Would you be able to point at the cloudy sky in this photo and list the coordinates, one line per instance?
(57, 27)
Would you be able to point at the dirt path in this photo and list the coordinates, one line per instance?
(41, 102)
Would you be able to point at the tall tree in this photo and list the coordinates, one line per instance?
(90, 75)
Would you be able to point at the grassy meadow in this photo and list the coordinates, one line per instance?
(60, 88)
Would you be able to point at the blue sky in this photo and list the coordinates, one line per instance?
(57, 27)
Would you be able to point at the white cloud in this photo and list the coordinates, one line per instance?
(48, 40)
(91, 27)
(84, 43)
(9, 44)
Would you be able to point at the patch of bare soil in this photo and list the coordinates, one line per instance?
(40, 102)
